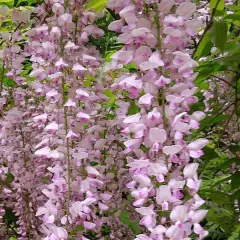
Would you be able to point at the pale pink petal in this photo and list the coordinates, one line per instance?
(157, 135)
(89, 225)
(172, 149)
(186, 9)
(197, 144)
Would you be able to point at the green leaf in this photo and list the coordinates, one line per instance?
(109, 55)
(96, 5)
(10, 177)
(205, 47)
(234, 17)
(25, 2)
(9, 82)
(105, 230)
(231, 46)
(109, 94)
(133, 109)
(9, 3)
(130, 67)
(222, 180)
(218, 4)
(79, 228)
(9, 216)
(125, 219)
(111, 99)
(209, 153)
(199, 81)
(93, 164)
(219, 197)
(44, 180)
(229, 59)
(88, 80)
(214, 120)
(233, 7)
(234, 148)
(218, 34)
(235, 183)
(228, 162)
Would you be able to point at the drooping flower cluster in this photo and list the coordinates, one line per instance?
(69, 138)
(74, 155)
(156, 41)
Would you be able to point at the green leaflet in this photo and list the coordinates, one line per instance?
(96, 5)
(218, 34)
(124, 217)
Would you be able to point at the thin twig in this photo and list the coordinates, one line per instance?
(162, 89)
(222, 79)
(236, 101)
(222, 111)
(227, 123)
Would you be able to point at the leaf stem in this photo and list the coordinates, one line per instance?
(68, 152)
(1, 83)
(222, 79)
(236, 101)
(162, 89)
(27, 200)
(64, 96)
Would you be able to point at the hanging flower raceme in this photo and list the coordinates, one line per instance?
(17, 136)
(77, 136)
(156, 40)
(67, 149)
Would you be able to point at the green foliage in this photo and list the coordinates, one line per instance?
(133, 109)
(217, 4)
(96, 5)
(235, 183)
(218, 34)
(133, 225)
(205, 47)
(219, 167)
(111, 96)
(9, 3)
(233, 17)
(10, 178)
(17, 3)
(9, 217)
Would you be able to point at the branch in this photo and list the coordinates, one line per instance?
(222, 79)
(227, 123)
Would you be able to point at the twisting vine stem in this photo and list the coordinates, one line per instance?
(27, 200)
(68, 151)
(162, 89)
